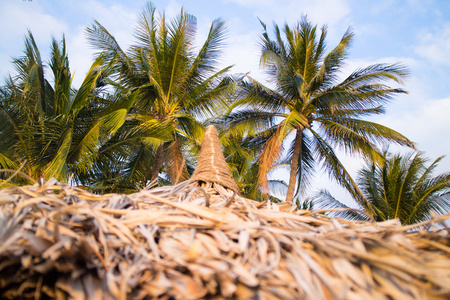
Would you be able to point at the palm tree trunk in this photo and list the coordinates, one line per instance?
(294, 165)
(158, 162)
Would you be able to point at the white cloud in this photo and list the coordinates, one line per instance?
(80, 56)
(15, 20)
(427, 125)
(243, 52)
(434, 45)
(172, 9)
(28, 17)
(119, 20)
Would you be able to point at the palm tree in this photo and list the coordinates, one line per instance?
(309, 101)
(54, 130)
(402, 187)
(176, 88)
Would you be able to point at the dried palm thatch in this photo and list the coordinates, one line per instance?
(211, 165)
(200, 240)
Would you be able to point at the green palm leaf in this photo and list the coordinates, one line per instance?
(89, 84)
(324, 200)
(58, 165)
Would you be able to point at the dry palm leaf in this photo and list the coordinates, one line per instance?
(200, 240)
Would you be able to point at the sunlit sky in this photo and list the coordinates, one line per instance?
(413, 32)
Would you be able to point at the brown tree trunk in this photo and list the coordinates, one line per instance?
(294, 165)
(158, 162)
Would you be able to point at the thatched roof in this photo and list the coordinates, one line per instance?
(200, 240)
(211, 165)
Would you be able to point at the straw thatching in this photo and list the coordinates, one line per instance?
(211, 165)
(200, 240)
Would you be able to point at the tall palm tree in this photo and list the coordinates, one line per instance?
(51, 128)
(177, 87)
(402, 187)
(310, 104)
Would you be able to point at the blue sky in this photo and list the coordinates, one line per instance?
(413, 32)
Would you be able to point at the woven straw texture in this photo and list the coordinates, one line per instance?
(211, 165)
(200, 240)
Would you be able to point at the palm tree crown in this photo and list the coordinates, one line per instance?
(309, 101)
(50, 127)
(402, 187)
(175, 88)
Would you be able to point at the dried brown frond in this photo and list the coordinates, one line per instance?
(176, 163)
(268, 158)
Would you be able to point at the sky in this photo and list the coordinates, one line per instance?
(415, 33)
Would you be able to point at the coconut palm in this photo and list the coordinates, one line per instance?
(310, 104)
(176, 87)
(50, 128)
(402, 187)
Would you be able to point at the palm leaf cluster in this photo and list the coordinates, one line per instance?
(54, 130)
(310, 105)
(402, 187)
(174, 87)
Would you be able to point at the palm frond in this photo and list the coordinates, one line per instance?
(336, 170)
(375, 73)
(7, 161)
(402, 187)
(323, 200)
(89, 84)
(58, 166)
(176, 163)
(206, 60)
(251, 120)
(340, 135)
(270, 154)
(331, 65)
(251, 92)
(99, 38)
